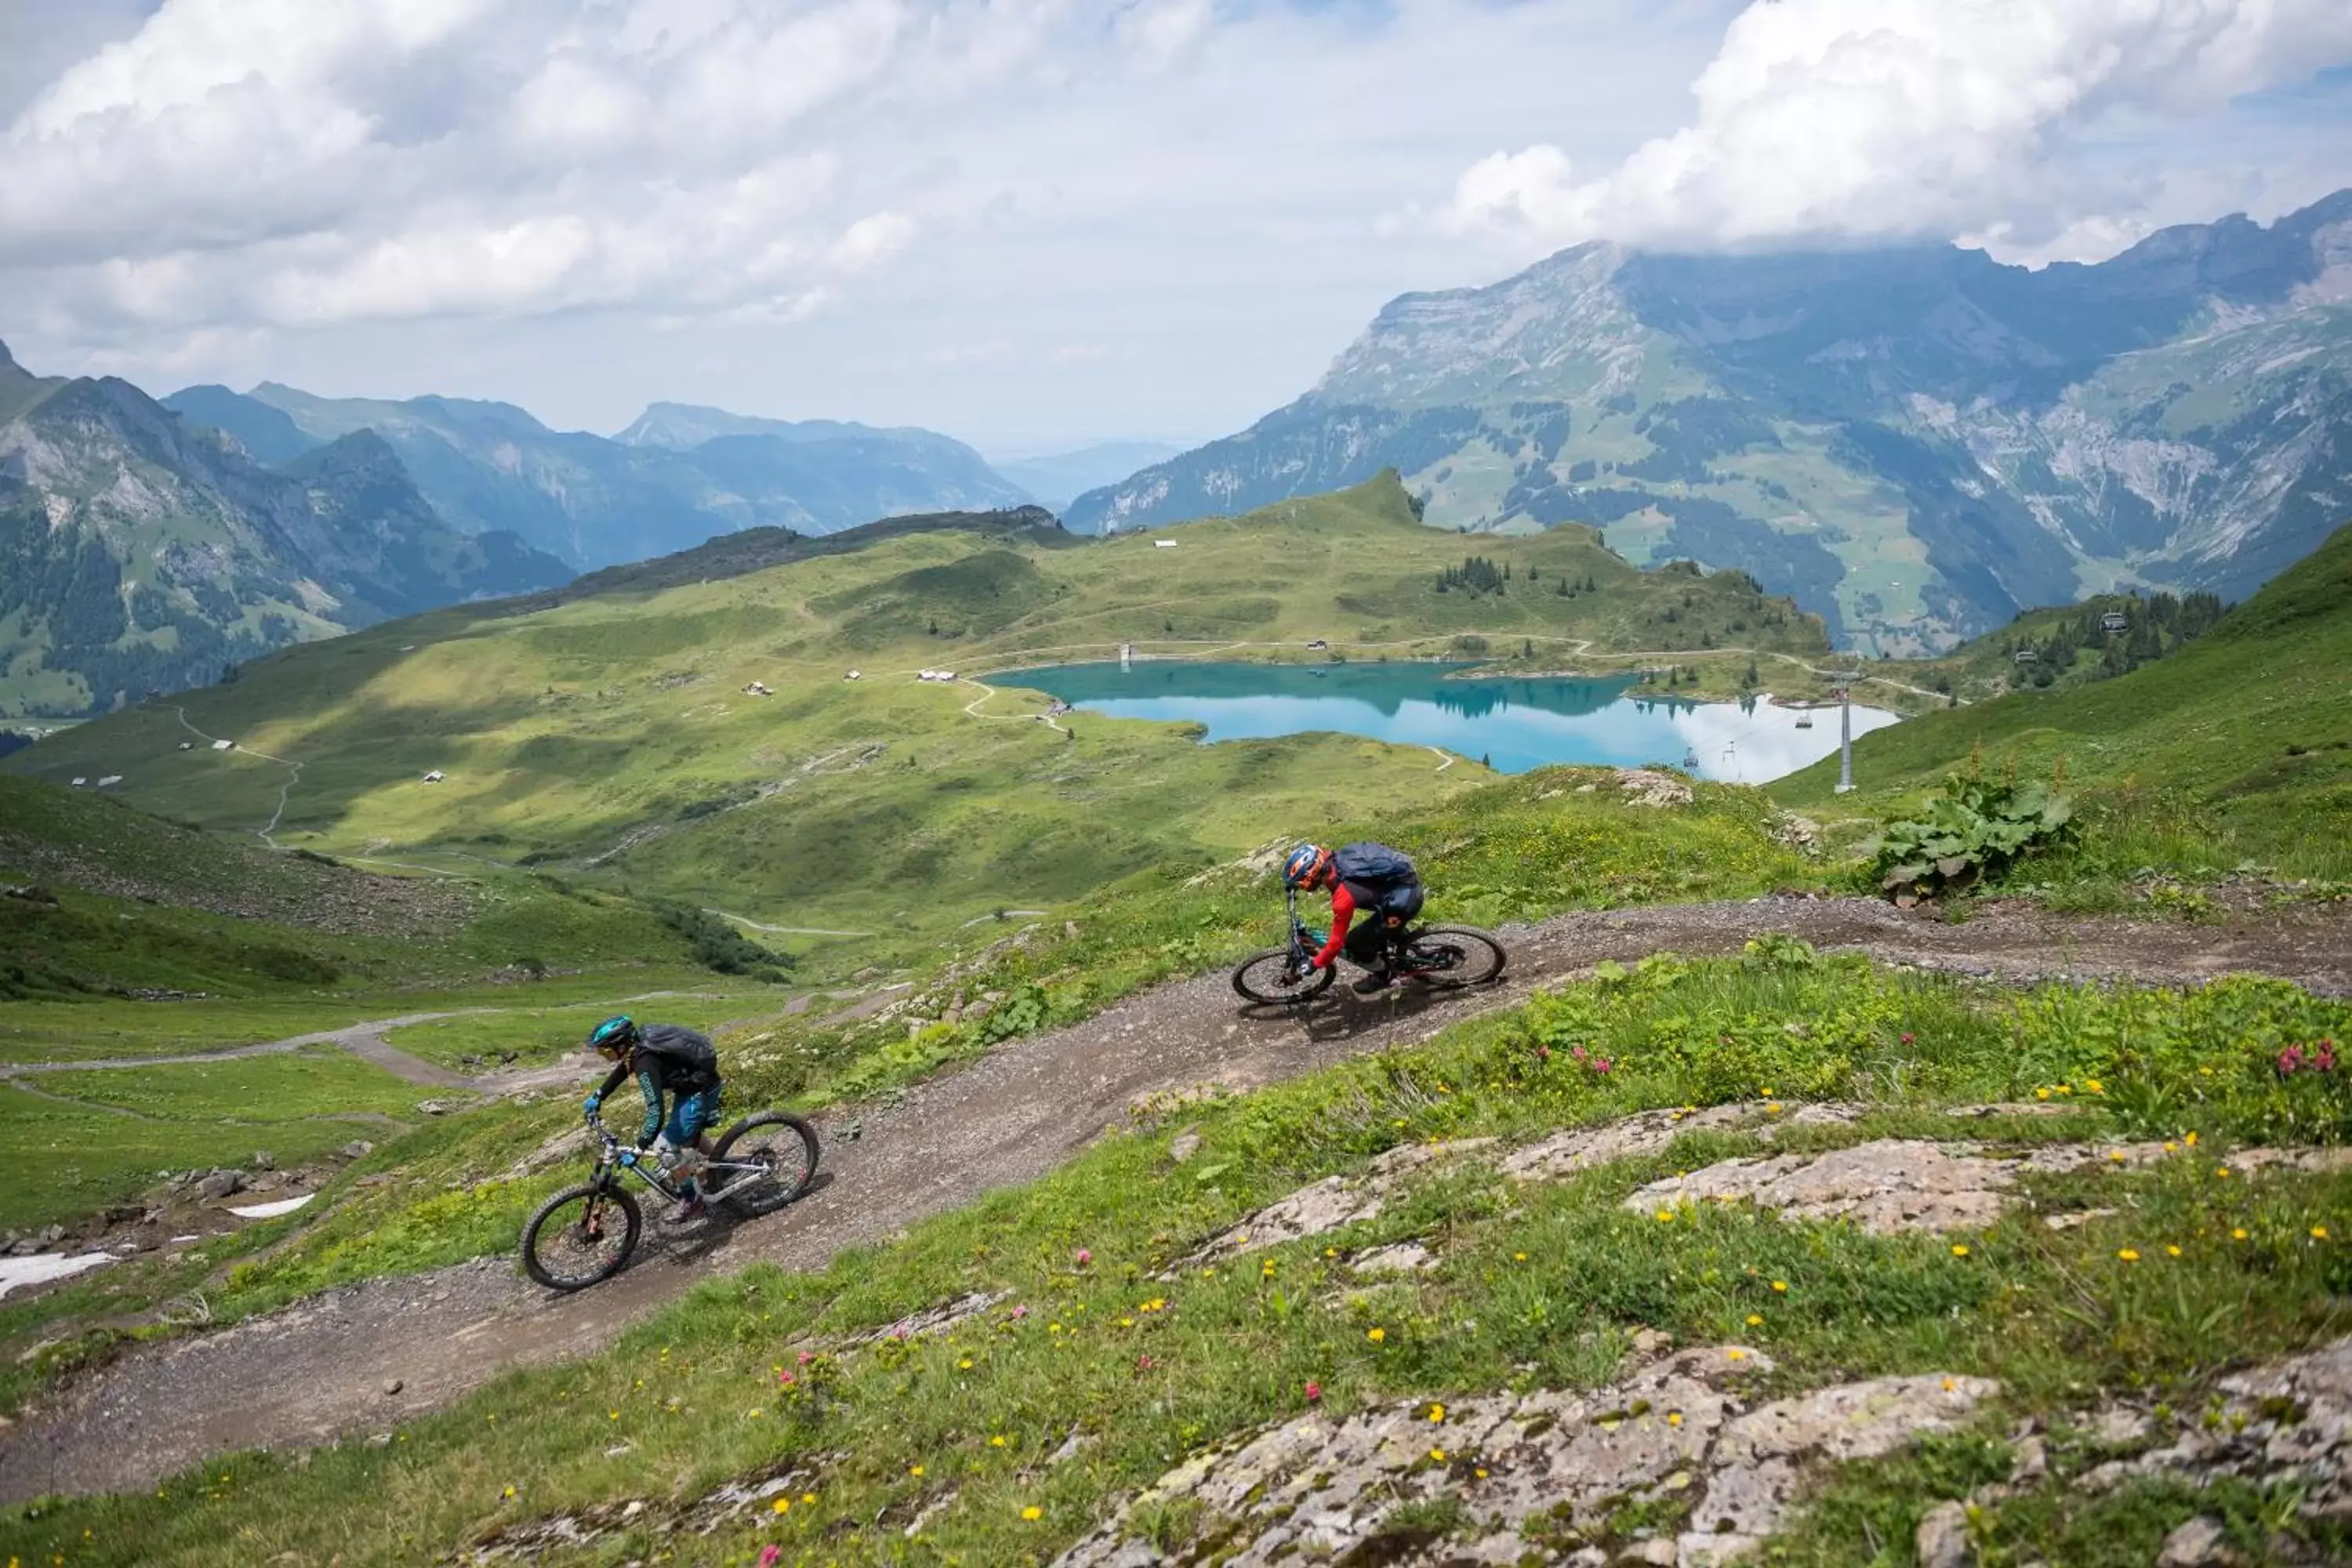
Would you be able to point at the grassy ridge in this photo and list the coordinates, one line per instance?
(2251, 720)
(1537, 1286)
(613, 738)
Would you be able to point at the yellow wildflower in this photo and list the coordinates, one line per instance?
(1780, 1284)
(997, 1441)
(2128, 1254)
(2170, 1250)
(784, 1505)
(2238, 1234)
(1673, 1417)
(1665, 1217)
(914, 1469)
(1736, 1353)
(1437, 1413)
(1033, 1513)
(1959, 1250)
(1376, 1334)
(1438, 1453)
(2319, 1233)
(1754, 1321)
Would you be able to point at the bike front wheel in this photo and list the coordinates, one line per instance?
(1453, 957)
(777, 1151)
(580, 1236)
(1269, 977)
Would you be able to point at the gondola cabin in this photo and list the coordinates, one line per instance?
(2115, 621)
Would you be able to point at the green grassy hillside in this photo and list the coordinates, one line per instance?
(2070, 645)
(614, 737)
(2251, 722)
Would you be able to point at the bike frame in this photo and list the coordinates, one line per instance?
(609, 1163)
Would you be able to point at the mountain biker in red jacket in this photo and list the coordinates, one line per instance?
(1367, 879)
(667, 1061)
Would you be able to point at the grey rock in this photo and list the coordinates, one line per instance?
(1404, 1258)
(1184, 1145)
(2031, 1461)
(1334, 1201)
(264, 1161)
(1887, 1186)
(2194, 1544)
(357, 1149)
(393, 1387)
(435, 1107)
(1942, 1538)
(1317, 1488)
(221, 1184)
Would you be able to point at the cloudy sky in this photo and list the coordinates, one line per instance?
(1036, 223)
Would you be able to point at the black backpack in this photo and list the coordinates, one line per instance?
(690, 1062)
(1374, 868)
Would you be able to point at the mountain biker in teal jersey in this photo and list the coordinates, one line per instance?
(1367, 879)
(667, 1061)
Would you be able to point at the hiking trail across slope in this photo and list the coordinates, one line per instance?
(322, 1368)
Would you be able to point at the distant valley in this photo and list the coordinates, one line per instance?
(153, 546)
(676, 476)
(1916, 443)
(140, 553)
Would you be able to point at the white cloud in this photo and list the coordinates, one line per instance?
(1160, 216)
(292, 163)
(1842, 119)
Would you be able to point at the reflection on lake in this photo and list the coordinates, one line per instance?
(1514, 723)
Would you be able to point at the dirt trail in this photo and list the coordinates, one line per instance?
(319, 1369)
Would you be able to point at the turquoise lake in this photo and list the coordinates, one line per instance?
(1514, 724)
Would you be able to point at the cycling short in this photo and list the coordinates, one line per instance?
(691, 1115)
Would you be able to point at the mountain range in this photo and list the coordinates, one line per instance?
(139, 552)
(1917, 443)
(676, 476)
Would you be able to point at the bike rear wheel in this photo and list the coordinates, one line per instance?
(1453, 957)
(580, 1236)
(1267, 977)
(782, 1144)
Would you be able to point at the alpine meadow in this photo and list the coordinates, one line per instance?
(1697, 912)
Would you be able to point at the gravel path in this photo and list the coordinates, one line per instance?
(322, 1368)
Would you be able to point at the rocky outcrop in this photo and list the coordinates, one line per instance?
(1493, 1478)
(1898, 1185)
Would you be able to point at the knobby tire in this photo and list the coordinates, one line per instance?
(1481, 961)
(789, 1150)
(1259, 979)
(568, 1210)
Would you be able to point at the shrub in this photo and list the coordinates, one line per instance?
(1972, 834)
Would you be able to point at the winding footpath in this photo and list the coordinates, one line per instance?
(322, 1369)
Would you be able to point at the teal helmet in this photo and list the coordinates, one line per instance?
(613, 1035)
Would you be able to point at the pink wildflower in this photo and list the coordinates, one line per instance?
(1578, 1052)
(1543, 1053)
(806, 1357)
(1144, 1363)
(1314, 1393)
(1019, 1313)
(771, 1555)
(783, 1380)
(1085, 1257)
(1907, 1038)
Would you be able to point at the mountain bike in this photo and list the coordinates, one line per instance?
(585, 1233)
(1445, 958)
